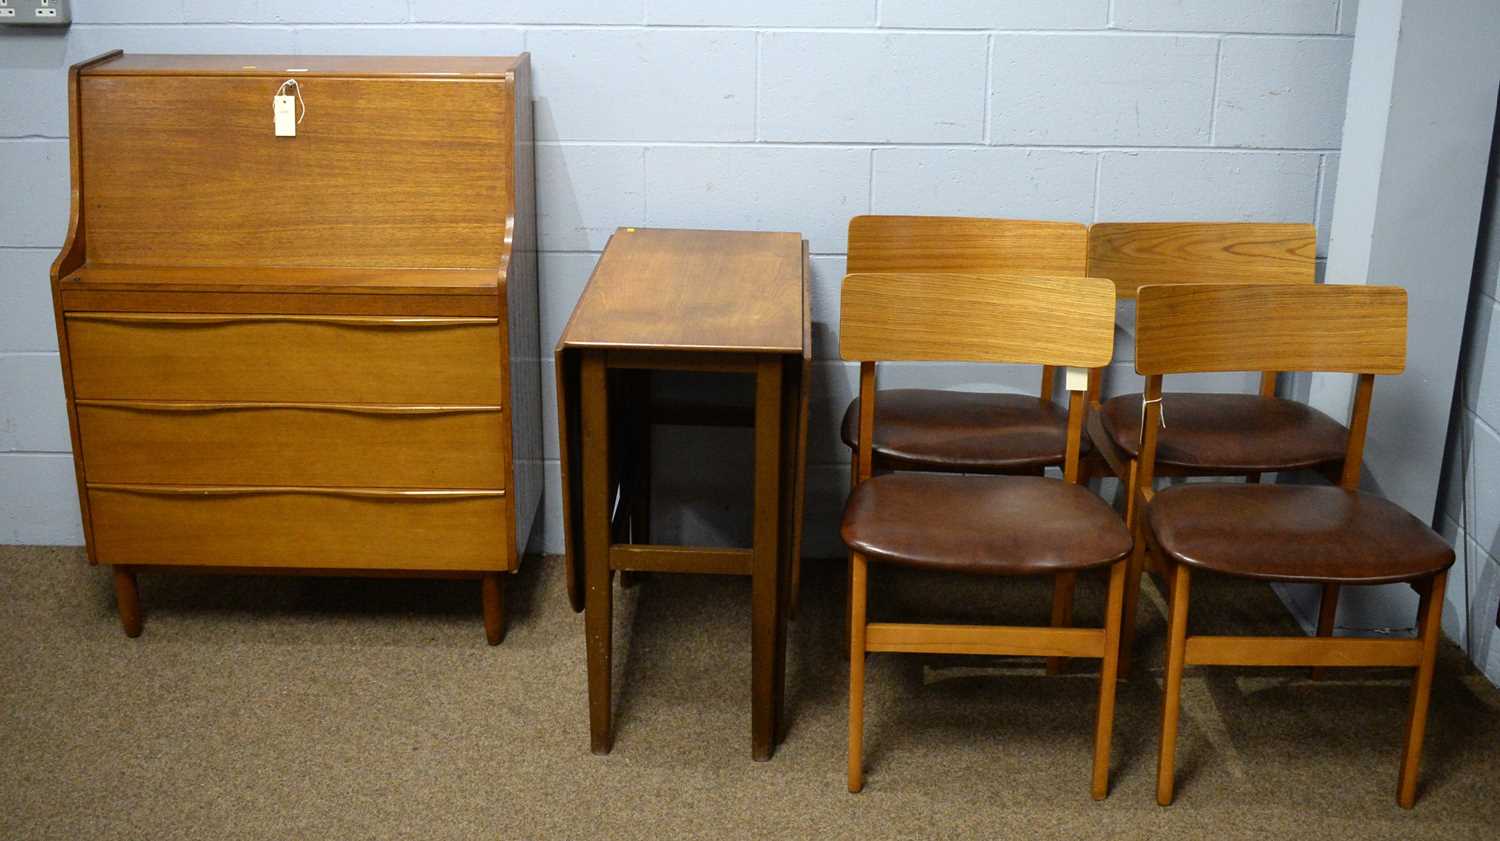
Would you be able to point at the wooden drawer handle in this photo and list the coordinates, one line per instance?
(210, 320)
(351, 408)
(395, 494)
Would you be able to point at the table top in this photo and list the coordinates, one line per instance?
(657, 289)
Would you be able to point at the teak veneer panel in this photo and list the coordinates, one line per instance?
(139, 442)
(1354, 329)
(1134, 254)
(221, 279)
(382, 172)
(274, 303)
(977, 318)
(965, 245)
(735, 291)
(313, 359)
(270, 527)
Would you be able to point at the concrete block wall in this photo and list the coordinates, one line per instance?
(779, 114)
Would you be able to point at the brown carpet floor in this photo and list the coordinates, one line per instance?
(284, 708)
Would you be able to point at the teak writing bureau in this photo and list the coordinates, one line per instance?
(313, 353)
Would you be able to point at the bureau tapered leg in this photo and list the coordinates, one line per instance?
(128, 601)
(492, 587)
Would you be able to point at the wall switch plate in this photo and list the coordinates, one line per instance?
(35, 13)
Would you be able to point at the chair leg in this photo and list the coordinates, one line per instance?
(1172, 697)
(1135, 568)
(857, 578)
(1430, 624)
(1328, 607)
(128, 601)
(1108, 674)
(849, 590)
(492, 590)
(1063, 586)
(1131, 495)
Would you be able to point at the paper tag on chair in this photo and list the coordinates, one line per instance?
(1077, 379)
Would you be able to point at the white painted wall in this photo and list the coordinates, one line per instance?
(776, 114)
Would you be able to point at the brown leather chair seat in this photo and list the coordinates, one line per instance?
(990, 525)
(1229, 432)
(957, 431)
(1295, 533)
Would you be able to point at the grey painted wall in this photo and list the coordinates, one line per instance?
(780, 114)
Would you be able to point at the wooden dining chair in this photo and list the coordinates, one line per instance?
(1213, 434)
(978, 524)
(964, 431)
(1331, 535)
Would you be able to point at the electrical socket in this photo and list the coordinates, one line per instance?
(35, 13)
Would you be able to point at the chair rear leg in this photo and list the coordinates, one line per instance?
(1172, 696)
(1430, 623)
(849, 590)
(857, 604)
(1131, 494)
(1135, 568)
(1063, 586)
(1108, 677)
(1328, 608)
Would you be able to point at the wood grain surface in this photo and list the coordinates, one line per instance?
(292, 527)
(1133, 254)
(1356, 329)
(332, 445)
(693, 290)
(977, 318)
(315, 359)
(382, 172)
(963, 244)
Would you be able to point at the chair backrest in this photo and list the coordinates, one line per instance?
(1134, 254)
(977, 318)
(963, 244)
(1247, 327)
(1058, 321)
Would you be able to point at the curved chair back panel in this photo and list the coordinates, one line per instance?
(1134, 254)
(978, 318)
(962, 244)
(1248, 327)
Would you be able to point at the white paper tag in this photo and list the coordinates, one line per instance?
(285, 108)
(1077, 379)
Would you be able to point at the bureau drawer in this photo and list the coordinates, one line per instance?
(276, 444)
(291, 358)
(300, 527)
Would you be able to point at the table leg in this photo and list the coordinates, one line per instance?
(637, 493)
(598, 606)
(766, 596)
(640, 503)
(791, 419)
